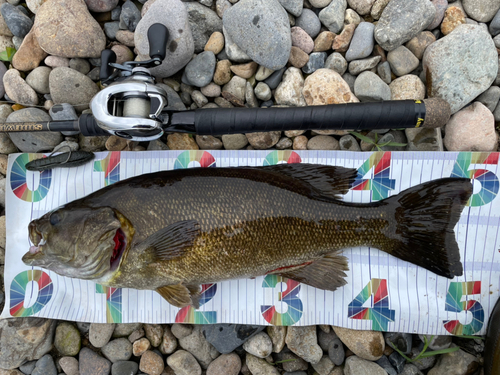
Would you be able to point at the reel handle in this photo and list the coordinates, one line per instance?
(157, 37)
(107, 57)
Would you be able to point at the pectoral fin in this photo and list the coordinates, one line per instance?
(326, 273)
(173, 241)
(181, 295)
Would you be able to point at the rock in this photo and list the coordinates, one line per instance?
(401, 21)
(411, 369)
(342, 41)
(407, 87)
(494, 27)
(259, 345)
(27, 368)
(293, 6)
(284, 143)
(401, 341)
(309, 22)
(222, 74)
(302, 40)
(199, 347)
(262, 91)
(232, 50)
(289, 91)
(123, 54)
(303, 342)
(358, 366)
(368, 87)
(67, 339)
(325, 86)
(250, 98)
(129, 16)
(457, 363)
(263, 140)
(298, 58)
(126, 329)
(324, 366)
(138, 333)
(38, 79)
(471, 129)
(333, 15)
(69, 365)
(386, 365)
(18, 90)
(368, 345)
(290, 362)
(124, 367)
(151, 363)
(384, 72)
(227, 337)
(418, 44)
(183, 363)
(180, 45)
(460, 66)
(208, 142)
(203, 23)
(45, 366)
(91, 363)
(244, 70)
(261, 29)
(481, 10)
(402, 61)
(126, 37)
(111, 28)
(57, 35)
(322, 142)
(300, 142)
(358, 66)
(316, 61)
(453, 17)
(33, 141)
(277, 335)
(397, 360)
(83, 327)
(234, 142)
(362, 42)
(440, 6)
(140, 346)
(117, 350)
(92, 144)
(215, 43)
(324, 41)
(18, 23)
(424, 139)
(101, 6)
(258, 366)
(336, 62)
(69, 86)
(181, 330)
(227, 364)
(335, 348)
(169, 341)
(57, 62)
(490, 98)
(100, 333)
(274, 79)
(200, 71)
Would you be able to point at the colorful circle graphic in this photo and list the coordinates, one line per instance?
(113, 302)
(205, 159)
(18, 292)
(289, 296)
(19, 184)
(275, 157)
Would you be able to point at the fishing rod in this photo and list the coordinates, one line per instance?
(132, 106)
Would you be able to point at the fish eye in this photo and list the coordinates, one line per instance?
(55, 218)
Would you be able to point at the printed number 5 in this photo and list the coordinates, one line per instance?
(454, 303)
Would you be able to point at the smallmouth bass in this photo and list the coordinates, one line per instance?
(172, 231)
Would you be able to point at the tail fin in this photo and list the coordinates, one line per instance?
(425, 216)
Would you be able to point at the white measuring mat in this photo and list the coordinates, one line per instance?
(382, 292)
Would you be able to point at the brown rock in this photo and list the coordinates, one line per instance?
(125, 37)
(300, 143)
(30, 54)
(181, 141)
(4, 160)
(169, 341)
(140, 346)
(154, 332)
(471, 129)
(17, 89)
(244, 70)
(407, 87)
(227, 364)
(208, 142)
(151, 363)
(277, 335)
(324, 41)
(66, 28)
(263, 140)
(379, 51)
(298, 58)
(342, 41)
(325, 86)
(453, 17)
(368, 345)
(418, 44)
(123, 53)
(215, 43)
(136, 335)
(222, 74)
(115, 143)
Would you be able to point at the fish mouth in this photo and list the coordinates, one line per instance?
(36, 250)
(120, 240)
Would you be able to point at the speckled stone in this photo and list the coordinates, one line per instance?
(151, 363)
(333, 15)
(100, 333)
(326, 86)
(407, 87)
(453, 17)
(302, 40)
(402, 61)
(303, 340)
(91, 363)
(368, 345)
(183, 363)
(418, 44)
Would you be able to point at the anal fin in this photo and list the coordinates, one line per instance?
(326, 273)
(180, 295)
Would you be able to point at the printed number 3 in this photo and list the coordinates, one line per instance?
(454, 303)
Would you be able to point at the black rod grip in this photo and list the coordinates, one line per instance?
(88, 126)
(157, 38)
(349, 116)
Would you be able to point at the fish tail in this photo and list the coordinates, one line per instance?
(425, 217)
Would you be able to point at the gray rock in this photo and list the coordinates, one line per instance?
(233, 142)
(227, 337)
(115, 12)
(384, 71)
(69, 86)
(401, 20)
(481, 10)
(335, 347)
(336, 62)
(91, 363)
(349, 79)
(437, 342)
(125, 329)
(440, 6)
(17, 89)
(184, 363)
(402, 61)
(100, 333)
(303, 340)
(80, 65)
(124, 368)
(28, 367)
(117, 350)
(174, 101)
(200, 71)
(358, 66)
(362, 42)
(424, 139)
(293, 6)
(490, 97)
(411, 369)
(181, 330)
(262, 91)
(180, 44)
(83, 327)
(260, 366)
(236, 86)
(369, 87)
(316, 61)
(309, 22)
(259, 345)
(67, 339)
(203, 22)
(45, 366)
(262, 30)
(333, 15)
(458, 362)
(3, 69)
(33, 141)
(274, 79)
(401, 341)
(284, 143)
(18, 22)
(233, 52)
(101, 5)
(250, 98)
(494, 27)
(24, 339)
(62, 112)
(397, 360)
(460, 66)
(38, 79)
(111, 28)
(358, 366)
(199, 347)
(386, 365)
(130, 16)
(324, 338)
